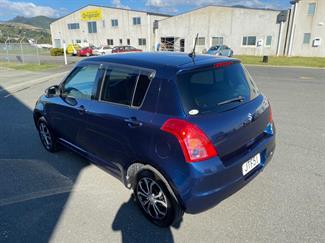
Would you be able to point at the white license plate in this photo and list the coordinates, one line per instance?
(251, 164)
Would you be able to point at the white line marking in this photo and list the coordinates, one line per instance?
(32, 81)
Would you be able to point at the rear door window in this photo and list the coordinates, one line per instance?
(206, 90)
(119, 85)
(126, 86)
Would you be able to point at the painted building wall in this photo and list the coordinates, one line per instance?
(228, 22)
(125, 29)
(307, 23)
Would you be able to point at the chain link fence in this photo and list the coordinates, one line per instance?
(25, 53)
(22, 53)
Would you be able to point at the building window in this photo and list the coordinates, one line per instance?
(57, 43)
(268, 40)
(311, 9)
(142, 42)
(307, 37)
(114, 22)
(216, 41)
(78, 41)
(249, 41)
(110, 42)
(128, 41)
(136, 21)
(92, 27)
(201, 41)
(73, 26)
(121, 41)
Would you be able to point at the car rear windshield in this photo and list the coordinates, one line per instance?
(215, 89)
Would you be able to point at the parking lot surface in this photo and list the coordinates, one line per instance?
(62, 198)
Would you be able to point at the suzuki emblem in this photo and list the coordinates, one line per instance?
(250, 117)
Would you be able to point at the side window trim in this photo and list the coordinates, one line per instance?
(141, 70)
(151, 76)
(135, 87)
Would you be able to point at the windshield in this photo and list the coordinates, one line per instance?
(210, 89)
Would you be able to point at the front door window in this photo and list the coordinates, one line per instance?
(81, 84)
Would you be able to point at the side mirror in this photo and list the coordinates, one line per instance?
(52, 91)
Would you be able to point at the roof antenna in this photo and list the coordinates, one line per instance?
(192, 54)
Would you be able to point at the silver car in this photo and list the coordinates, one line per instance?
(221, 50)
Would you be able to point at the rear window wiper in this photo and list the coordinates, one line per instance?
(236, 99)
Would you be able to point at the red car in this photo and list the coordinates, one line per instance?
(119, 49)
(86, 51)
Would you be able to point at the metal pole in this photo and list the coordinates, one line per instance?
(21, 49)
(65, 53)
(37, 53)
(280, 39)
(7, 48)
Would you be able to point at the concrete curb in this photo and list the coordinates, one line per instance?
(275, 66)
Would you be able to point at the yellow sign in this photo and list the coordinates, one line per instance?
(92, 14)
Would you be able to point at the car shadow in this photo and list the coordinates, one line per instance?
(134, 227)
(34, 184)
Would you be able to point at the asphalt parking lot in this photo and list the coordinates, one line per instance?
(62, 198)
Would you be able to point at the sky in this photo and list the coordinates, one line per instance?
(57, 8)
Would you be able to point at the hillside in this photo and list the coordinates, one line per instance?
(17, 30)
(42, 22)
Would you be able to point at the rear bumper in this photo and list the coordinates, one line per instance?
(212, 182)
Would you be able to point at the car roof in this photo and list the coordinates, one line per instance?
(153, 60)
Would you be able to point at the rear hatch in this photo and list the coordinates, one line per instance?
(223, 100)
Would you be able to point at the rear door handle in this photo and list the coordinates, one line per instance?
(133, 122)
(82, 110)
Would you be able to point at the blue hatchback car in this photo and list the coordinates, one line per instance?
(182, 132)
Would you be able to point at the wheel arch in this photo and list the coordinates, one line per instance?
(37, 115)
(137, 167)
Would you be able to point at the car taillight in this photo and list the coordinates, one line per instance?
(271, 115)
(195, 145)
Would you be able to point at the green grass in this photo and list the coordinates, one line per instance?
(285, 61)
(28, 67)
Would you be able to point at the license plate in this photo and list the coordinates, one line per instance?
(251, 164)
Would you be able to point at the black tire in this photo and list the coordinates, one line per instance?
(172, 210)
(49, 143)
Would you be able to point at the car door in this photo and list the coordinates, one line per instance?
(226, 51)
(67, 113)
(117, 129)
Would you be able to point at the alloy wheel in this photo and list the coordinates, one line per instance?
(152, 198)
(45, 135)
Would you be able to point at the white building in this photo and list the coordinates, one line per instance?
(300, 31)
(307, 29)
(247, 31)
(99, 25)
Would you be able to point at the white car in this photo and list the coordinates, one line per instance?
(103, 50)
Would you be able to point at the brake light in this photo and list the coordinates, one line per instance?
(222, 64)
(195, 145)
